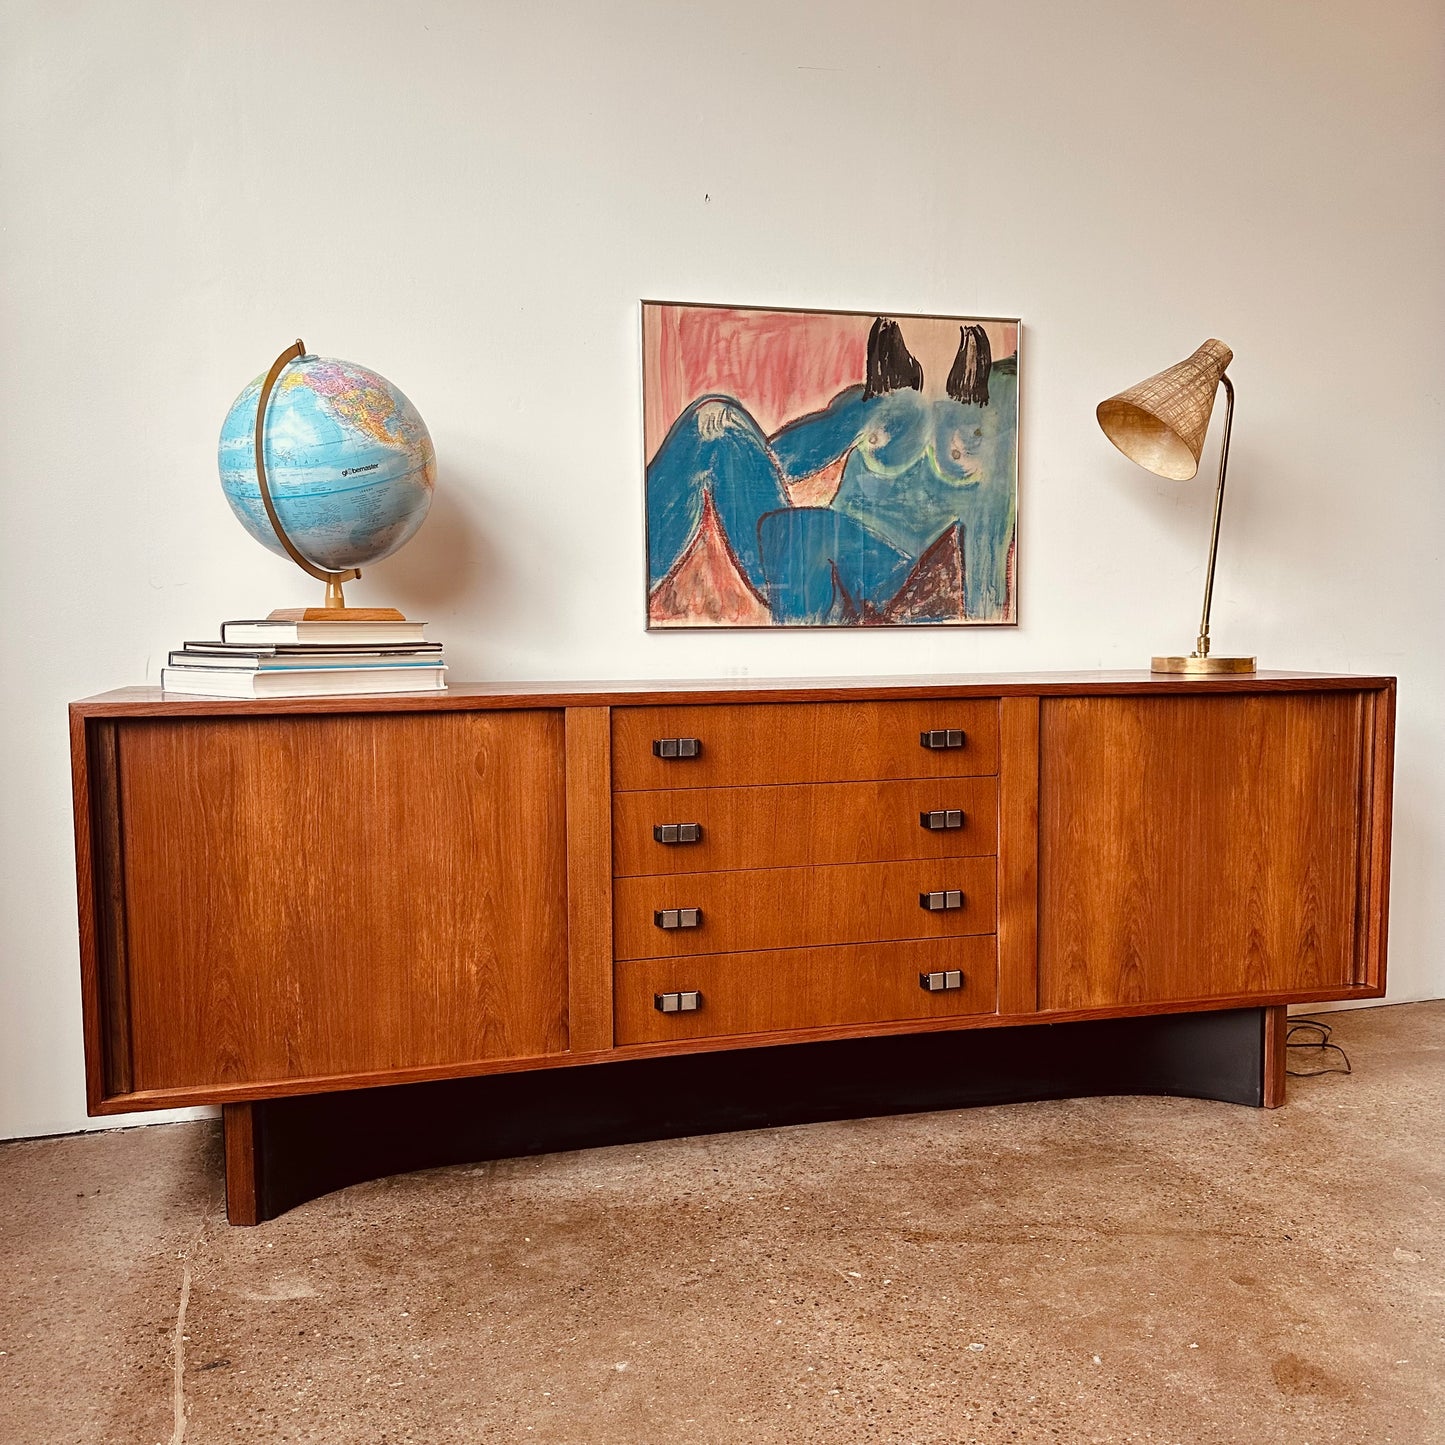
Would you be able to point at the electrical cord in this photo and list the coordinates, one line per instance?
(1320, 1045)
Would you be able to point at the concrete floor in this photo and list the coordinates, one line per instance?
(1106, 1270)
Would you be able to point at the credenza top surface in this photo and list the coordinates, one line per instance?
(462, 697)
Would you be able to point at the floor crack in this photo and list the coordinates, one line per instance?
(178, 1342)
(178, 1350)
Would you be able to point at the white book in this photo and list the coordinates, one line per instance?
(265, 632)
(325, 682)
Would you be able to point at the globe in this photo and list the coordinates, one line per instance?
(349, 463)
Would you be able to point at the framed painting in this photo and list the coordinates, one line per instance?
(829, 468)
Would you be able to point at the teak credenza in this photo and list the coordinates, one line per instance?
(327, 894)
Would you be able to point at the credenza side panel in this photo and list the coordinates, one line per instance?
(1201, 847)
(313, 896)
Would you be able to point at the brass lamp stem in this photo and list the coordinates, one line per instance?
(1201, 646)
(1200, 662)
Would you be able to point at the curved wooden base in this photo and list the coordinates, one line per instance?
(284, 1152)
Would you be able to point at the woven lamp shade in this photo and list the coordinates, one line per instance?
(1161, 422)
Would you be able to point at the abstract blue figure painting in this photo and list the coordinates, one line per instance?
(829, 468)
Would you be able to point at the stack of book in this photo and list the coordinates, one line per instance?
(308, 658)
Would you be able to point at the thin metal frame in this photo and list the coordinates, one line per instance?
(1201, 643)
(657, 630)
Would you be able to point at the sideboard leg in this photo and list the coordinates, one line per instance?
(241, 1129)
(1276, 1030)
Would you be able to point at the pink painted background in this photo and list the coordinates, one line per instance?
(779, 364)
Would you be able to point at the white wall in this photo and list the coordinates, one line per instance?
(472, 198)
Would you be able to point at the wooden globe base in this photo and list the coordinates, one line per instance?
(335, 614)
(335, 609)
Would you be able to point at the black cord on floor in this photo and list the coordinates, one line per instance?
(1320, 1044)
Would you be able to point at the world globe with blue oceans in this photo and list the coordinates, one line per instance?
(349, 463)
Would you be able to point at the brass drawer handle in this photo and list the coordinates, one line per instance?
(670, 918)
(943, 900)
(672, 833)
(686, 1002)
(944, 982)
(938, 738)
(671, 748)
(937, 820)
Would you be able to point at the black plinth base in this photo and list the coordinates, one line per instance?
(297, 1149)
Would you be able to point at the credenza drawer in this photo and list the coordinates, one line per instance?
(700, 830)
(802, 988)
(740, 744)
(795, 907)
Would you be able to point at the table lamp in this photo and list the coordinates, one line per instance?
(1160, 423)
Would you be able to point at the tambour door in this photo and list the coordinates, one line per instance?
(1200, 847)
(308, 896)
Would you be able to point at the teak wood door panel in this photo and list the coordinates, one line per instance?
(743, 744)
(799, 907)
(804, 988)
(338, 894)
(1198, 847)
(809, 823)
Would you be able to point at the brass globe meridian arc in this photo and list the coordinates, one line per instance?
(333, 580)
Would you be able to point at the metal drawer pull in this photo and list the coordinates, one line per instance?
(687, 1002)
(937, 738)
(677, 832)
(941, 982)
(941, 818)
(676, 747)
(670, 918)
(941, 901)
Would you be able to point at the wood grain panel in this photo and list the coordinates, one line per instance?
(112, 963)
(822, 742)
(782, 827)
(100, 896)
(313, 896)
(589, 878)
(803, 988)
(477, 696)
(242, 1144)
(1018, 855)
(1197, 847)
(1377, 807)
(797, 907)
(90, 799)
(1276, 1056)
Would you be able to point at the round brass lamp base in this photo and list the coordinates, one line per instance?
(1202, 666)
